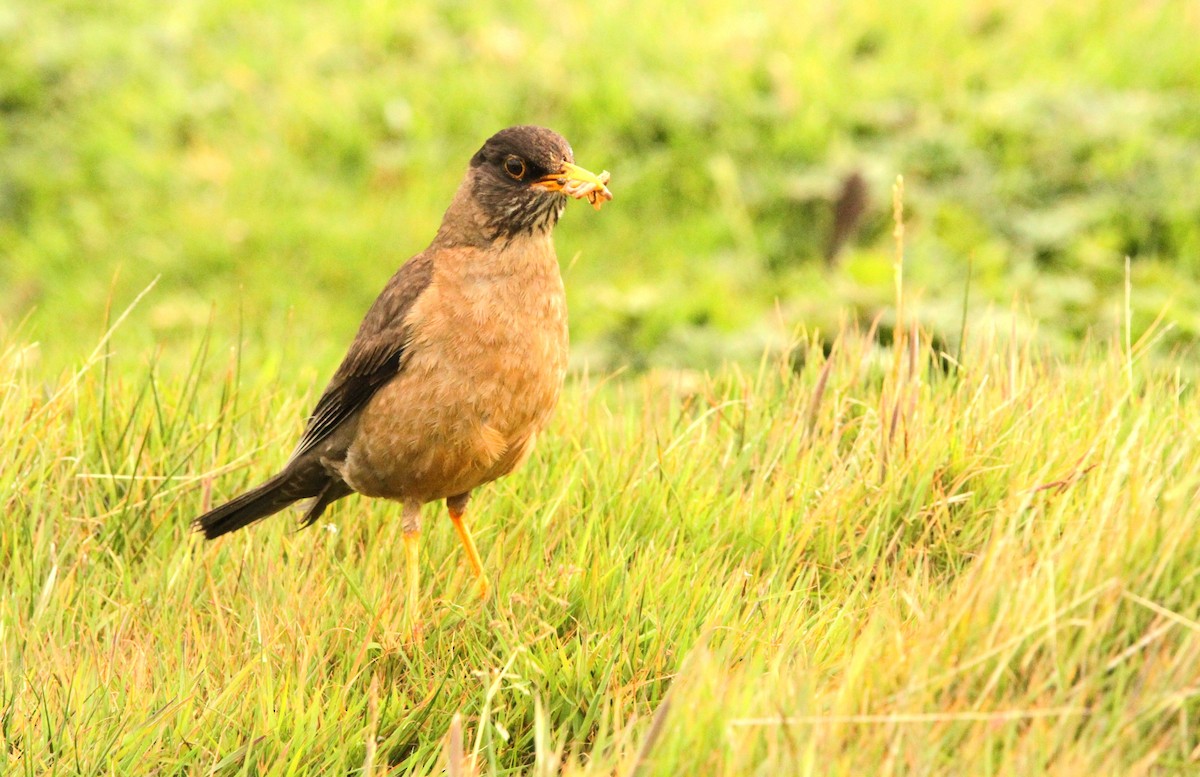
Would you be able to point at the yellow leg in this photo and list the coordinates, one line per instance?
(464, 534)
(412, 541)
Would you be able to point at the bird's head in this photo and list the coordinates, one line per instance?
(520, 180)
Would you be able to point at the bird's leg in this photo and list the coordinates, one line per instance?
(457, 505)
(411, 523)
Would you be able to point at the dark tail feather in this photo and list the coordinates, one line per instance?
(268, 499)
(334, 490)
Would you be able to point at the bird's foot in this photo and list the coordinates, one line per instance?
(485, 588)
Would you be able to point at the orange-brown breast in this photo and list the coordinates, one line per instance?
(485, 367)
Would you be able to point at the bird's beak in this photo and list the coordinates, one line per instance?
(577, 182)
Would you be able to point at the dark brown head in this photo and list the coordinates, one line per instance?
(521, 179)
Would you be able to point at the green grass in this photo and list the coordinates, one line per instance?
(224, 146)
(730, 554)
(867, 566)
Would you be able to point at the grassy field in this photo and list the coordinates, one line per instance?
(224, 146)
(867, 566)
(786, 520)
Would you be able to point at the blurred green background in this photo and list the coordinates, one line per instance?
(274, 162)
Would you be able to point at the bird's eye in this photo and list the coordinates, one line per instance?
(515, 166)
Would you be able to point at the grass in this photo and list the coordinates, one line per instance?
(866, 564)
(223, 147)
(927, 533)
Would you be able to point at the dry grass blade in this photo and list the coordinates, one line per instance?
(372, 735)
(456, 765)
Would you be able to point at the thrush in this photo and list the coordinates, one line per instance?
(456, 366)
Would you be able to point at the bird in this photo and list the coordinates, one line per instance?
(457, 365)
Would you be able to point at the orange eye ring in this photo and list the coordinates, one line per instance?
(515, 167)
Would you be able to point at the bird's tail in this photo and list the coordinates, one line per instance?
(256, 504)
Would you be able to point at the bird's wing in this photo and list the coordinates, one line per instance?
(375, 357)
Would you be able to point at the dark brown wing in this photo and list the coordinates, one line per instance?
(375, 357)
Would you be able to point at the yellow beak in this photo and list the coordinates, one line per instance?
(577, 182)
